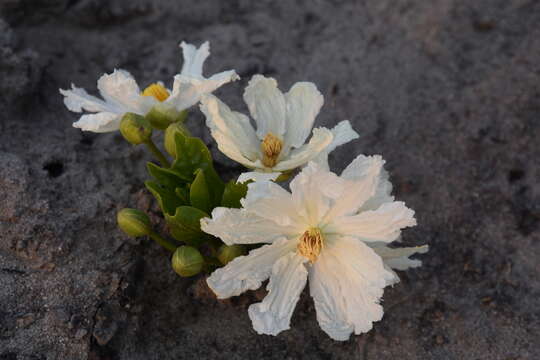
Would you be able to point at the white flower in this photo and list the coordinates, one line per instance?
(331, 229)
(284, 122)
(121, 94)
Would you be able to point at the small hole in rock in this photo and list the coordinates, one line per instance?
(87, 141)
(54, 168)
(515, 175)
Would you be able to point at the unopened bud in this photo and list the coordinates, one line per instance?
(162, 115)
(135, 128)
(187, 261)
(172, 130)
(134, 222)
(227, 253)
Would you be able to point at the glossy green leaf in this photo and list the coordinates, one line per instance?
(215, 186)
(185, 225)
(166, 197)
(199, 195)
(192, 154)
(183, 194)
(167, 177)
(233, 193)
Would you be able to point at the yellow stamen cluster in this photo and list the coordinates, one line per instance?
(311, 244)
(156, 90)
(271, 147)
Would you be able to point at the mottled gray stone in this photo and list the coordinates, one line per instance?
(448, 91)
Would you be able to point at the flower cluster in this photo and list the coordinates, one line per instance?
(332, 231)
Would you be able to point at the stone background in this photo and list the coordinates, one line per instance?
(448, 91)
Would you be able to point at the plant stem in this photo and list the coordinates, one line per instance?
(162, 241)
(157, 153)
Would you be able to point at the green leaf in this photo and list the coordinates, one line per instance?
(166, 197)
(183, 193)
(215, 186)
(167, 177)
(191, 155)
(199, 194)
(185, 225)
(233, 193)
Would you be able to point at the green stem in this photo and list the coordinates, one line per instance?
(162, 241)
(157, 153)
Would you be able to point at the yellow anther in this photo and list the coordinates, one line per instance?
(311, 244)
(156, 90)
(271, 148)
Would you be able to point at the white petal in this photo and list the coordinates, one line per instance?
(121, 90)
(304, 102)
(188, 90)
(383, 224)
(77, 100)
(398, 258)
(343, 133)
(258, 176)
(362, 177)
(237, 226)
(267, 106)
(194, 58)
(318, 142)
(288, 279)
(248, 272)
(231, 130)
(100, 123)
(383, 193)
(346, 283)
(269, 200)
(314, 190)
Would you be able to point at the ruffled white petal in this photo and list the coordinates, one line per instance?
(270, 201)
(121, 90)
(77, 100)
(383, 224)
(194, 58)
(288, 279)
(248, 272)
(398, 258)
(383, 193)
(231, 130)
(237, 226)
(346, 283)
(362, 177)
(313, 192)
(258, 176)
(321, 138)
(343, 133)
(188, 90)
(304, 102)
(100, 123)
(267, 106)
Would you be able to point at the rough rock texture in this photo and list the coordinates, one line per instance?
(448, 91)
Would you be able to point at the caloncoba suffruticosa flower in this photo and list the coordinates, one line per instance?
(284, 122)
(333, 230)
(121, 93)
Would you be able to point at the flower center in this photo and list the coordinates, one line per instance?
(157, 91)
(271, 148)
(311, 244)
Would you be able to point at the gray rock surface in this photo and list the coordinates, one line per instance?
(448, 91)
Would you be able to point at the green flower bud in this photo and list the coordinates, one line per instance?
(227, 253)
(134, 222)
(135, 128)
(174, 128)
(162, 115)
(187, 261)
